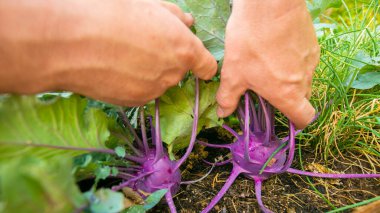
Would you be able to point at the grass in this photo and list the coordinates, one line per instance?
(349, 118)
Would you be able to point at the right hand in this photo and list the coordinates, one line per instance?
(125, 52)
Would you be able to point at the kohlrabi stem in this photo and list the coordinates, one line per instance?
(152, 129)
(127, 124)
(231, 131)
(255, 121)
(143, 131)
(225, 146)
(312, 174)
(126, 183)
(158, 142)
(241, 116)
(169, 200)
(292, 146)
(128, 142)
(234, 174)
(268, 128)
(194, 130)
(258, 183)
(246, 128)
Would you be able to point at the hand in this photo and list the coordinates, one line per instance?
(272, 49)
(124, 52)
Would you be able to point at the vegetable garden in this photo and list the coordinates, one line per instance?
(62, 152)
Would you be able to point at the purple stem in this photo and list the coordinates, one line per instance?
(158, 142)
(195, 127)
(312, 174)
(218, 163)
(246, 128)
(268, 128)
(255, 121)
(126, 183)
(234, 174)
(231, 131)
(128, 142)
(169, 200)
(225, 146)
(258, 183)
(292, 146)
(152, 129)
(287, 137)
(241, 117)
(143, 131)
(129, 126)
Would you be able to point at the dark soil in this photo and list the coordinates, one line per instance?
(281, 193)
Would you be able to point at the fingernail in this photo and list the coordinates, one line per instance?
(220, 112)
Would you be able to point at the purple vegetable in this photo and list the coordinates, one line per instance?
(154, 169)
(259, 154)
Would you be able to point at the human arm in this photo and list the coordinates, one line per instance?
(124, 52)
(272, 49)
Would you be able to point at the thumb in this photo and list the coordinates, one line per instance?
(228, 97)
(300, 113)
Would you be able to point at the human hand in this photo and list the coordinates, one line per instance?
(124, 52)
(271, 48)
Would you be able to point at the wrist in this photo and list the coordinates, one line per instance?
(269, 9)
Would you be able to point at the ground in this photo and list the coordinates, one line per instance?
(281, 193)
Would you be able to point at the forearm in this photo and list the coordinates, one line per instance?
(265, 10)
(36, 43)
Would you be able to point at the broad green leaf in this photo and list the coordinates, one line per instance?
(367, 80)
(105, 201)
(32, 184)
(210, 22)
(152, 200)
(28, 124)
(176, 112)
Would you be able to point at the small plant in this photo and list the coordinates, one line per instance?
(258, 153)
(154, 170)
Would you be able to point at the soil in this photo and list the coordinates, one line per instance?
(280, 193)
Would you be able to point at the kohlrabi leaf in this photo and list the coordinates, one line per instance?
(32, 184)
(49, 128)
(105, 201)
(150, 202)
(210, 22)
(176, 112)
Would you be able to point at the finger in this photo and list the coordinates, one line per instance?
(228, 96)
(204, 64)
(309, 85)
(186, 18)
(301, 113)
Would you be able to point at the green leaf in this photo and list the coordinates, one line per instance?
(154, 198)
(176, 112)
(120, 151)
(367, 80)
(105, 201)
(32, 184)
(211, 19)
(50, 128)
(316, 7)
(136, 209)
(103, 172)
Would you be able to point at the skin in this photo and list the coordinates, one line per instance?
(125, 52)
(128, 52)
(271, 48)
